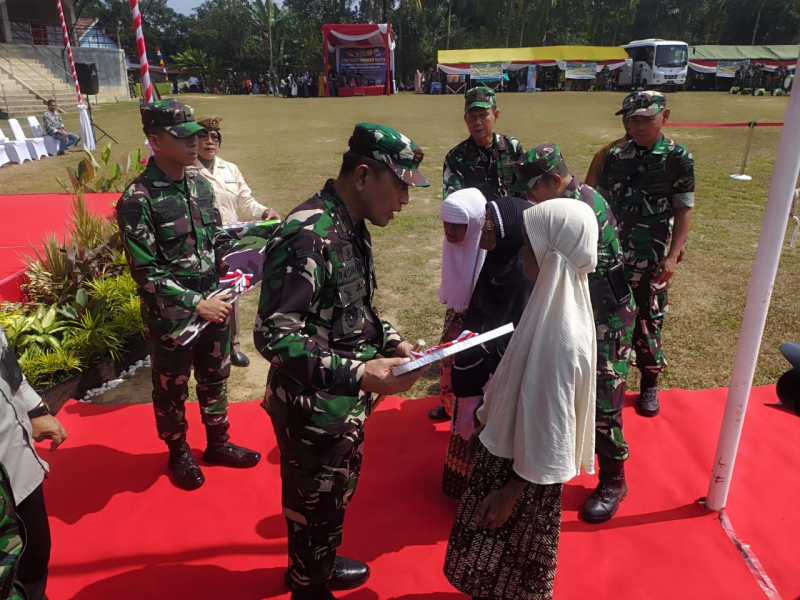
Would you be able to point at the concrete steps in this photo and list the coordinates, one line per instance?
(27, 85)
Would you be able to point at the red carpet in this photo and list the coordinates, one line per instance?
(26, 218)
(121, 531)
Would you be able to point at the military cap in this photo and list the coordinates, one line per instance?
(535, 164)
(176, 118)
(626, 104)
(211, 123)
(384, 144)
(479, 97)
(643, 104)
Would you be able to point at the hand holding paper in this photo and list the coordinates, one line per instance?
(379, 377)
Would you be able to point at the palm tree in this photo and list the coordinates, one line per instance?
(262, 15)
(449, 17)
(194, 62)
(526, 4)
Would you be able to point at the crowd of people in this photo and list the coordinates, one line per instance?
(582, 271)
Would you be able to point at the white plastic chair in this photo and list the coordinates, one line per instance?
(17, 151)
(50, 143)
(3, 156)
(35, 145)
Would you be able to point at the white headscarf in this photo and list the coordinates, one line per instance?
(462, 262)
(539, 409)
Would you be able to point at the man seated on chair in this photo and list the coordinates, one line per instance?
(54, 127)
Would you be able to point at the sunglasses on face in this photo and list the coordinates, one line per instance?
(209, 135)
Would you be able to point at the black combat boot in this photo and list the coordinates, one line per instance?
(604, 501)
(647, 406)
(347, 574)
(239, 359)
(187, 473)
(322, 595)
(221, 452)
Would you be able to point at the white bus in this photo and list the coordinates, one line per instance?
(655, 63)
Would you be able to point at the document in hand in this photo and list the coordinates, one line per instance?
(439, 352)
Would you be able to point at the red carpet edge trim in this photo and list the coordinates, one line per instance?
(750, 558)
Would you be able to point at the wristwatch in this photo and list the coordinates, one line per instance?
(39, 411)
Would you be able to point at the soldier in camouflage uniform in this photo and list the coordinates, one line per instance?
(649, 184)
(174, 242)
(542, 174)
(10, 542)
(317, 326)
(485, 161)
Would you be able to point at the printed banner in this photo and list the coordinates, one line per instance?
(362, 59)
(728, 68)
(532, 74)
(486, 72)
(456, 78)
(577, 70)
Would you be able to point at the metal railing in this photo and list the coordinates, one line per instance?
(5, 99)
(30, 71)
(54, 60)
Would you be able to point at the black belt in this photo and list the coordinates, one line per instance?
(204, 283)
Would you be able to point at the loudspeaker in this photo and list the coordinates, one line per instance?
(87, 78)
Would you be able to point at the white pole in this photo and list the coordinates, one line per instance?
(770, 243)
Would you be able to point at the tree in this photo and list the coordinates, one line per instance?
(262, 14)
(162, 26)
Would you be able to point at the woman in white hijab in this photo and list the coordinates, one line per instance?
(537, 419)
(462, 217)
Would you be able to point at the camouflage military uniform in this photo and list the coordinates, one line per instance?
(174, 242)
(614, 330)
(317, 326)
(491, 170)
(10, 542)
(615, 324)
(488, 169)
(642, 187)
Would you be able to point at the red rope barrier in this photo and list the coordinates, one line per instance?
(723, 124)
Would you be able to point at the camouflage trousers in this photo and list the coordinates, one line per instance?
(652, 302)
(614, 337)
(319, 475)
(11, 544)
(210, 355)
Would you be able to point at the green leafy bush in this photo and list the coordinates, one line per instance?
(31, 334)
(61, 268)
(50, 367)
(104, 176)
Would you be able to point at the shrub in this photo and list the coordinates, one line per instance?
(49, 368)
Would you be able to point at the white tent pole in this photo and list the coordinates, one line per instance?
(770, 243)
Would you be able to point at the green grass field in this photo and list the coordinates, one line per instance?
(287, 149)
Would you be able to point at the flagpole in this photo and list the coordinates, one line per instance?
(161, 60)
(87, 132)
(759, 294)
(144, 67)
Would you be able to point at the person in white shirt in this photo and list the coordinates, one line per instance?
(23, 418)
(234, 199)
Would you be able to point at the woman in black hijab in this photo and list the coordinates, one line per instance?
(500, 296)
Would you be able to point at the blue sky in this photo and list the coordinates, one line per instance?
(186, 6)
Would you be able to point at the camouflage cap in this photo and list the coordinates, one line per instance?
(382, 143)
(643, 104)
(479, 97)
(535, 164)
(176, 118)
(626, 104)
(211, 123)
